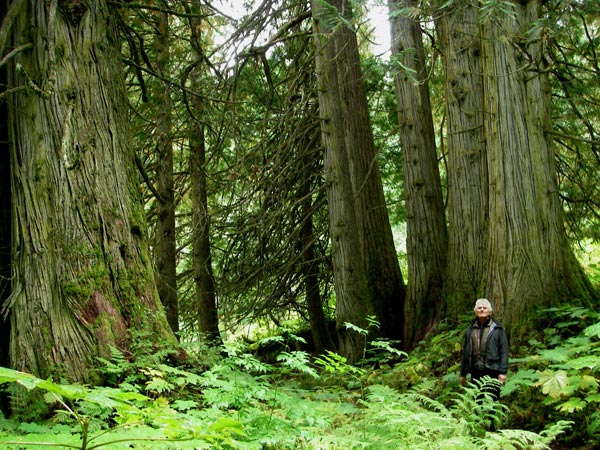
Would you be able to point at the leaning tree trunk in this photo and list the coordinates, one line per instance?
(165, 244)
(82, 277)
(530, 264)
(352, 301)
(426, 242)
(458, 28)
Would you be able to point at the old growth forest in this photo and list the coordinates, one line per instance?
(263, 224)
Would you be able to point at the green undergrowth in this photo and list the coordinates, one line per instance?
(554, 376)
(392, 400)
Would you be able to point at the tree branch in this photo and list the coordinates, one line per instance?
(140, 166)
(574, 138)
(14, 51)
(6, 25)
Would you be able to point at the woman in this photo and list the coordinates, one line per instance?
(485, 348)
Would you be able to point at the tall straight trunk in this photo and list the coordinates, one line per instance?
(384, 279)
(426, 242)
(5, 215)
(165, 246)
(385, 287)
(458, 28)
(530, 264)
(310, 273)
(5, 228)
(353, 303)
(82, 276)
(208, 319)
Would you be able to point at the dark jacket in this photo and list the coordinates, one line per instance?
(496, 350)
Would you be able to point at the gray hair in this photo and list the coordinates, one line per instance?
(485, 302)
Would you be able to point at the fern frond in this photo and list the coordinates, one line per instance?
(298, 361)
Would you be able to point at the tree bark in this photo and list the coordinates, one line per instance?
(385, 285)
(319, 323)
(426, 243)
(5, 217)
(206, 301)
(82, 276)
(208, 320)
(165, 245)
(530, 264)
(353, 303)
(458, 28)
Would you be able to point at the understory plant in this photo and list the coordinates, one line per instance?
(560, 376)
(296, 403)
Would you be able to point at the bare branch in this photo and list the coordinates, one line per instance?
(14, 51)
(8, 21)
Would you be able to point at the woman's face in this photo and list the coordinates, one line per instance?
(482, 313)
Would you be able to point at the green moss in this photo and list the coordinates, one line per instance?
(76, 289)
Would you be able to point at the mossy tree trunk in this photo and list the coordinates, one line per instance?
(458, 28)
(426, 235)
(82, 275)
(530, 264)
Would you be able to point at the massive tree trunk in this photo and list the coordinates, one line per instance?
(353, 303)
(165, 245)
(351, 132)
(458, 28)
(206, 301)
(426, 242)
(82, 276)
(384, 279)
(530, 264)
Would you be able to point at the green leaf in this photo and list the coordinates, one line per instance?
(595, 398)
(553, 383)
(158, 384)
(571, 405)
(588, 382)
(184, 405)
(355, 328)
(387, 346)
(227, 425)
(588, 361)
(299, 361)
(70, 391)
(10, 376)
(556, 355)
(593, 330)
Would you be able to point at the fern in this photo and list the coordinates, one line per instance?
(138, 419)
(298, 362)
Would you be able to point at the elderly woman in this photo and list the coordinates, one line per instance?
(485, 348)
